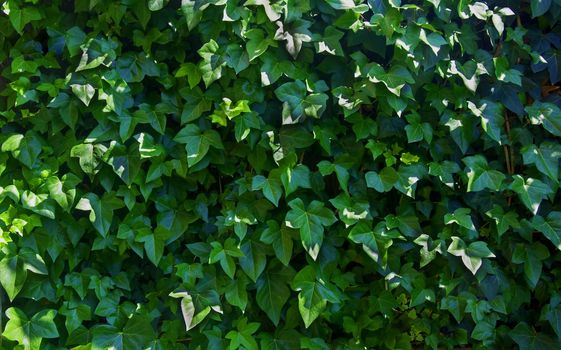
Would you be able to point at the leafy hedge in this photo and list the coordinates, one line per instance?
(283, 174)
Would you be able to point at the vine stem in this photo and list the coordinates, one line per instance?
(509, 154)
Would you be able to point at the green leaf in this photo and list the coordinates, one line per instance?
(154, 243)
(191, 317)
(293, 94)
(236, 58)
(75, 315)
(236, 292)
(362, 233)
(460, 216)
(528, 338)
(256, 44)
(136, 334)
(19, 17)
(156, 5)
(471, 255)
(539, 7)
(554, 318)
(313, 294)
(394, 80)
(503, 73)
(545, 158)
(26, 148)
(101, 211)
(481, 176)
(84, 92)
(244, 335)
(311, 222)
(126, 166)
(12, 275)
(198, 142)
(530, 191)
(273, 292)
(550, 227)
(30, 332)
(212, 63)
(253, 260)
(190, 71)
(546, 114)
(281, 240)
(341, 4)
(492, 119)
(384, 181)
(271, 187)
(434, 40)
(90, 156)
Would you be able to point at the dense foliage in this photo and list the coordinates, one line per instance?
(280, 174)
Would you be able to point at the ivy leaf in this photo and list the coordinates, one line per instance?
(545, 158)
(527, 338)
(90, 157)
(101, 210)
(126, 165)
(362, 233)
(384, 181)
(269, 10)
(546, 114)
(84, 92)
(257, 43)
(471, 255)
(434, 40)
(554, 318)
(281, 240)
(295, 35)
(26, 148)
(313, 294)
(311, 222)
(481, 176)
(271, 187)
(236, 58)
(156, 5)
(190, 71)
(444, 171)
(293, 93)
(191, 316)
(273, 292)
(539, 7)
(198, 142)
(550, 227)
(394, 80)
(13, 275)
(212, 63)
(136, 334)
(253, 260)
(225, 254)
(491, 115)
(330, 42)
(503, 73)
(341, 4)
(460, 216)
(243, 335)
(236, 294)
(19, 17)
(30, 332)
(530, 191)
(75, 315)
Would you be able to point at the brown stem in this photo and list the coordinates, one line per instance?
(507, 159)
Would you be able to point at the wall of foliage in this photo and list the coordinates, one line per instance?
(280, 174)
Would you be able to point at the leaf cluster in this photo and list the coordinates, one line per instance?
(280, 174)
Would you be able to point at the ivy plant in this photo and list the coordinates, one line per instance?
(280, 174)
